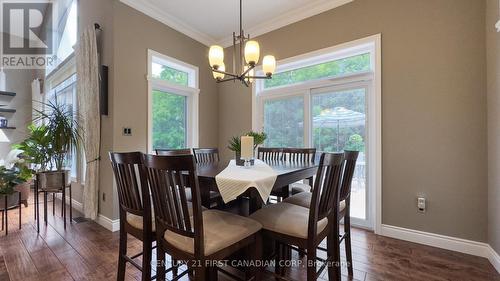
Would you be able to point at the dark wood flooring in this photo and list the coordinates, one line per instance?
(87, 251)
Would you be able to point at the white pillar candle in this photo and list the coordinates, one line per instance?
(246, 147)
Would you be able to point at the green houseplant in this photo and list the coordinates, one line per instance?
(235, 144)
(49, 144)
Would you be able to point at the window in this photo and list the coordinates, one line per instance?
(66, 32)
(173, 103)
(60, 81)
(64, 94)
(326, 99)
(345, 66)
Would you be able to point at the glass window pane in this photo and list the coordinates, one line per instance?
(169, 120)
(339, 123)
(170, 74)
(284, 122)
(350, 65)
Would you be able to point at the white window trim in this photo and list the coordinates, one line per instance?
(192, 92)
(374, 100)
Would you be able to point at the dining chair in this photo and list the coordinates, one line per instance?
(293, 226)
(167, 152)
(301, 156)
(136, 217)
(206, 155)
(270, 154)
(304, 200)
(215, 197)
(201, 237)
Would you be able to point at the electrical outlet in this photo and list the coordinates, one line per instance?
(103, 197)
(127, 132)
(421, 205)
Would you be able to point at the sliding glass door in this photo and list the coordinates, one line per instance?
(339, 124)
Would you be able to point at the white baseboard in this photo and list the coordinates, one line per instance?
(109, 224)
(444, 242)
(494, 258)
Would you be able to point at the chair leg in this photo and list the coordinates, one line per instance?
(347, 240)
(175, 267)
(63, 206)
(277, 258)
(160, 263)
(122, 254)
(70, 205)
(212, 273)
(146, 259)
(200, 272)
(311, 264)
(54, 204)
(20, 210)
(45, 207)
(333, 248)
(2, 220)
(256, 257)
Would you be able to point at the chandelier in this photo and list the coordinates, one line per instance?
(249, 56)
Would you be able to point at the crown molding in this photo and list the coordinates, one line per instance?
(295, 15)
(150, 10)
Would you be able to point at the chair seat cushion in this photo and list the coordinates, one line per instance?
(288, 219)
(304, 200)
(220, 230)
(136, 221)
(297, 188)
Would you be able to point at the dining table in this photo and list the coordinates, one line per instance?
(288, 172)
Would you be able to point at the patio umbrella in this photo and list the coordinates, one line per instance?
(338, 117)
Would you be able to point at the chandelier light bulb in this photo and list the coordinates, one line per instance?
(216, 56)
(269, 65)
(217, 75)
(252, 52)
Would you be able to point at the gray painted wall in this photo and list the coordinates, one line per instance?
(433, 104)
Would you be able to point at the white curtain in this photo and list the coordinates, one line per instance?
(36, 96)
(87, 71)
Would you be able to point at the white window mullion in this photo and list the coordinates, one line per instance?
(307, 119)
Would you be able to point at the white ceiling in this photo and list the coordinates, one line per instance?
(214, 21)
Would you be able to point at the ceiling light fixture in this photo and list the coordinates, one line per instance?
(249, 55)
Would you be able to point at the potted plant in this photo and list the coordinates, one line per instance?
(49, 144)
(235, 145)
(9, 179)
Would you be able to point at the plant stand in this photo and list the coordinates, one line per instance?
(56, 189)
(5, 214)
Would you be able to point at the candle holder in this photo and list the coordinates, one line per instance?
(248, 162)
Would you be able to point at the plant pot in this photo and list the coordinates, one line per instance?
(53, 179)
(241, 162)
(12, 201)
(24, 189)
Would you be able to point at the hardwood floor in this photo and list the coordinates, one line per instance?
(87, 251)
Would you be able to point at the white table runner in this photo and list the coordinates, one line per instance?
(235, 180)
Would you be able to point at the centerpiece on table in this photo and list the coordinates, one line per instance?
(235, 145)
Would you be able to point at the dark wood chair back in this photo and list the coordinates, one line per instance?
(131, 182)
(270, 154)
(350, 165)
(206, 155)
(326, 190)
(167, 179)
(299, 155)
(171, 152)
